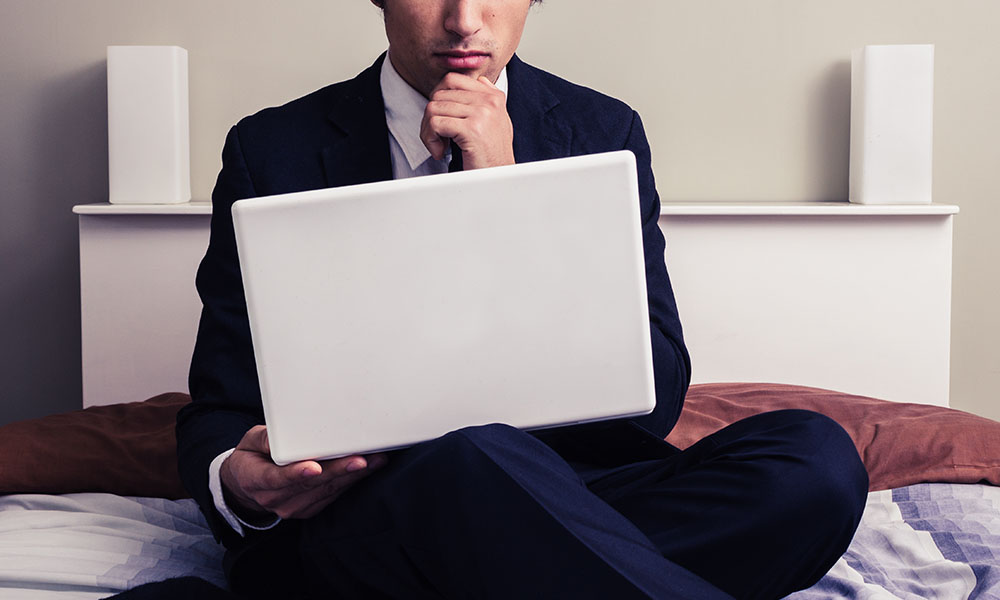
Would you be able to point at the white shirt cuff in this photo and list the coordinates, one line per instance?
(215, 486)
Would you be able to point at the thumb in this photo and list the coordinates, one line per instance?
(304, 471)
(491, 85)
(255, 440)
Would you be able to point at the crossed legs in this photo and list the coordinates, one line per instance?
(759, 509)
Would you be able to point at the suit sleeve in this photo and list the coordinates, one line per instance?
(671, 362)
(223, 378)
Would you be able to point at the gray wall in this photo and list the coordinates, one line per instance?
(742, 101)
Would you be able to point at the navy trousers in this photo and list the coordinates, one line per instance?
(757, 510)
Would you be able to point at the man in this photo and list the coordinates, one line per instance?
(603, 511)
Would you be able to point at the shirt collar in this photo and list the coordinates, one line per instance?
(404, 111)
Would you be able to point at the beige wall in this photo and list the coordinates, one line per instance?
(741, 100)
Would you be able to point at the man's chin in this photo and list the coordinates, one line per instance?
(477, 73)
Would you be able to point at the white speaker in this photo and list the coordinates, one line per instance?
(148, 135)
(892, 118)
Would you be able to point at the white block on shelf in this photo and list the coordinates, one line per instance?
(148, 134)
(892, 118)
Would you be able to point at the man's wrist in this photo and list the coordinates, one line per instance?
(225, 508)
(250, 518)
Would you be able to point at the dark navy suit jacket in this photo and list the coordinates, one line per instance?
(338, 136)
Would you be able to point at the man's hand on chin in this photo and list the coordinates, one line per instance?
(473, 112)
(258, 490)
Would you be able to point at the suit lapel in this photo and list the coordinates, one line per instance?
(538, 134)
(361, 153)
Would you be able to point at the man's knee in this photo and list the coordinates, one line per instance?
(470, 438)
(464, 454)
(830, 452)
(825, 476)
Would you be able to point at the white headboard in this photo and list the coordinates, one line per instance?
(846, 297)
(854, 298)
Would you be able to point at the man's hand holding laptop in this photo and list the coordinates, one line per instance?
(297, 491)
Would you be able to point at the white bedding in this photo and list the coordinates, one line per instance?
(936, 541)
(88, 546)
(924, 541)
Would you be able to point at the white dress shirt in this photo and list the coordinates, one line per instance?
(404, 112)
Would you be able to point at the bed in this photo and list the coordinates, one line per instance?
(92, 504)
(831, 295)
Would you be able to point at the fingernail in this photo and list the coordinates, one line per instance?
(356, 465)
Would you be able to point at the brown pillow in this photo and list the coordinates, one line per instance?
(900, 444)
(126, 449)
(129, 449)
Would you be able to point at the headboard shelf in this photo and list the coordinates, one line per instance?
(767, 209)
(183, 208)
(666, 208)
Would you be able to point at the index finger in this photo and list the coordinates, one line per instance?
(457, 81)
(344, 465)
(339, 467)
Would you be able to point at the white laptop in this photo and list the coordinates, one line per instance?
(390, 313)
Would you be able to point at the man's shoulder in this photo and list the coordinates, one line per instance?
(574, 94)
(596, 121)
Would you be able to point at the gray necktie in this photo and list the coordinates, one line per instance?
(456, 158)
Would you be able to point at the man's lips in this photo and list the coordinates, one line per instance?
(462, 60)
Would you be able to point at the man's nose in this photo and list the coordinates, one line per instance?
(464, 17)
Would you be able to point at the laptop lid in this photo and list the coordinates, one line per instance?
(390, 313)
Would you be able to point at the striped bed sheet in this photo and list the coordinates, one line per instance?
(927, 541)
(89, 546)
